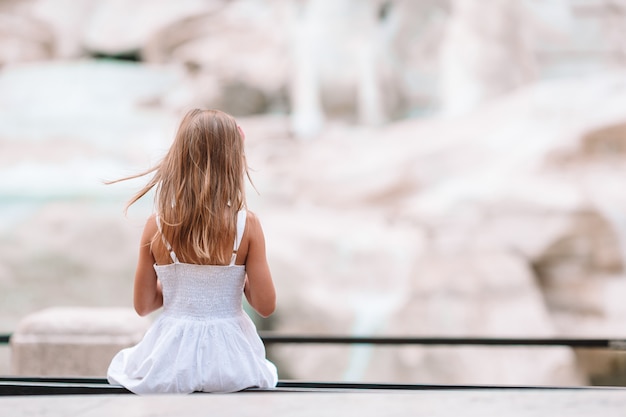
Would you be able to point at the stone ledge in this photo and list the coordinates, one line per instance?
(73, 341)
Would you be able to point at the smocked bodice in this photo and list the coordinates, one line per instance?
(201, 291)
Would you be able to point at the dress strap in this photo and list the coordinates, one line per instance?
(167, 244)
(241, 226)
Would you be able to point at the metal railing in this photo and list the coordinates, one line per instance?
(271, 338)
(613, 344)
(14, 385)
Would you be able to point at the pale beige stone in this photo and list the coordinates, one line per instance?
(23, 38)
(118, 26)
(474, 295)
(331, 403)
(73, 341)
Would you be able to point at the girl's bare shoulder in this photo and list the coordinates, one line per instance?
(150, 227)
(251, 217)
(253, 224)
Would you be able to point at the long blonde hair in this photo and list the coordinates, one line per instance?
(200, 186)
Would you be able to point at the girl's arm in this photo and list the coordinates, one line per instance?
(148, 295)
(259, 288)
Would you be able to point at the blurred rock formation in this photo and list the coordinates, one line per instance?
(23, 37)
(485, 53)
(504, 219)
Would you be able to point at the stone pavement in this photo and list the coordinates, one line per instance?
(328, 403)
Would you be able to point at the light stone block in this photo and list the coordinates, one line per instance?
(73, 341)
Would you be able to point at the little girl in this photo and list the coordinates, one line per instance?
(199, 254)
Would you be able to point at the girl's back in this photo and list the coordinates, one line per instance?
(203, 291)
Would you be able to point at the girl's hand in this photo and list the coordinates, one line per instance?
(246, 290)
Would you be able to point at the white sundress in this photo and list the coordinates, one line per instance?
(203, 340)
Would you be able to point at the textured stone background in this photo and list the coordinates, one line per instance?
(450, 168)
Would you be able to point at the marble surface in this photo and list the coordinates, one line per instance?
(571, 402)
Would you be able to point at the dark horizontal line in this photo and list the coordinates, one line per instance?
(57, 388)
(270, 338)
(273, 338)
(75, 386)
(422, 387)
